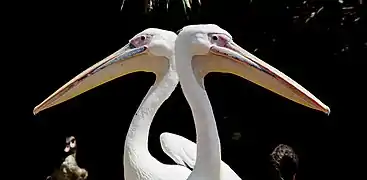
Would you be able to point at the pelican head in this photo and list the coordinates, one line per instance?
(212, 49)
(149, 51)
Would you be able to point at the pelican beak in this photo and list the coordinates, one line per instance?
(127, 60)
(233, 59)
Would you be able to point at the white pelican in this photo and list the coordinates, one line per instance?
(200, 49)
(149, 51)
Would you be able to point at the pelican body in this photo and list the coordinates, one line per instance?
(198, 50)
(201, 49)
(152, 50)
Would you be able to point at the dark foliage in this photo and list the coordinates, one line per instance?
(285, 161)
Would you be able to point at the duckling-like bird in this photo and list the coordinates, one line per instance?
(69, 169)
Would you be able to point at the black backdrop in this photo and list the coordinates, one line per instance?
(56, 40)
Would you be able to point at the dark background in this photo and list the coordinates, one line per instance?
(56, 40)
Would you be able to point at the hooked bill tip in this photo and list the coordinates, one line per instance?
(328, 111)
(36, 110)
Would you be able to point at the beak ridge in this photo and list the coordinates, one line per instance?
(98, 74)
(269, 77)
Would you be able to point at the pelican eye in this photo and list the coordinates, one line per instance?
(214, 37)
(142, 38)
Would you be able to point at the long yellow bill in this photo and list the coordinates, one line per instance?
(233, 59)
(127, 60)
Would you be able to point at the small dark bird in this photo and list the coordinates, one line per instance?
(285, 162)
(69, 169)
